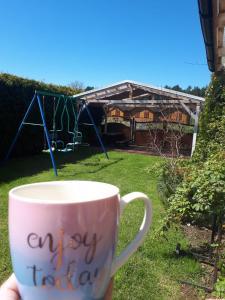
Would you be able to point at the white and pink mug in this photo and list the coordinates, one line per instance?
(63, 236)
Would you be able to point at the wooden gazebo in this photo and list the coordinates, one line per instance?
(135, 102)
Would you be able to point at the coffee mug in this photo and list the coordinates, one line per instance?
(63, 236)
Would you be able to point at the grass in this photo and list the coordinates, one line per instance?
(153, 271)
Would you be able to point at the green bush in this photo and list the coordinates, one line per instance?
(211, 137)
(170, 174)
(220, 288)
(200, 194)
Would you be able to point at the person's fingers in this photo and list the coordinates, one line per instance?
(108, 295)
(9, 290)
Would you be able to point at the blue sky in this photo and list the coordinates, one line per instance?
(100, 42)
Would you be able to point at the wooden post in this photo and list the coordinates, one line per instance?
(134, 133)
(195, 129)
(130, 91)
(131, 128)
(105, 125)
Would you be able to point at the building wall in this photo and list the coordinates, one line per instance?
(116, 113)
(144, 138)
(163, 141)
(146, 115)
(175, 116)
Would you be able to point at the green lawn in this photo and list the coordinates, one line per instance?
(151, 273)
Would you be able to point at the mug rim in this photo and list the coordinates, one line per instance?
(112, 192)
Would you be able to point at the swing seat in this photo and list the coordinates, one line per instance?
(76, 141)
(65, 150)
(56, 142)
(59, 144)
(70, 146)
(77, 138)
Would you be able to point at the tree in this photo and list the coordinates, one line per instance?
(77, 85)
(89, 88)
(167, 135)
(197, 91)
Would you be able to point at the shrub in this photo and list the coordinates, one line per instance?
(211, 137)
(201, 192)
(170, 175)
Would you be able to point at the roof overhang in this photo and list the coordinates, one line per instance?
(212, 18)
(133, 91)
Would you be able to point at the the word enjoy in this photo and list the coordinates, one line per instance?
(57, 248)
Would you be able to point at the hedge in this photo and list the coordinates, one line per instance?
(15, 96)
(211, 137)
(197, 197)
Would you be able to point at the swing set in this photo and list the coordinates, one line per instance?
(62, 106)
(65, 118)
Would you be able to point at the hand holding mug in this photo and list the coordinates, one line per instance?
(9, 290)
(63, 237)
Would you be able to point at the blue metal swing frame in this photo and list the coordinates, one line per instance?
(36, 98)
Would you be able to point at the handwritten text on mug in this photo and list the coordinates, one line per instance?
(65, 281)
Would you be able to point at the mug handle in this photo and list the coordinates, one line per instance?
(132, 247)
